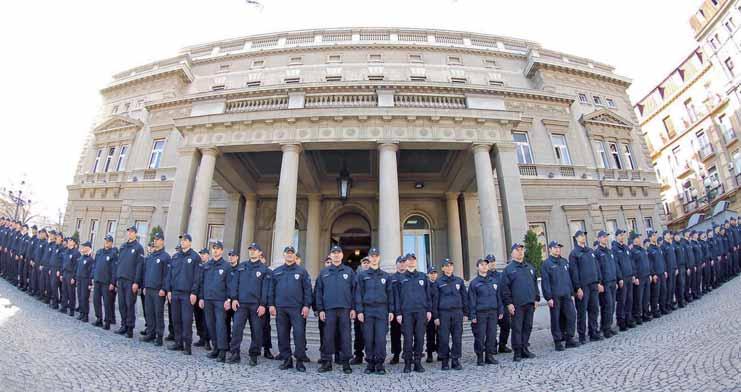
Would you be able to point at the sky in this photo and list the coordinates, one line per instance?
(59, 54)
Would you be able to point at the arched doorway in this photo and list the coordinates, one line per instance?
(352, 232)
(417, 238)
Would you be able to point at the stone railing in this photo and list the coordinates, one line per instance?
(429, 101)
(567, 171)
(257, 104)
(341, 101)
(529, 170)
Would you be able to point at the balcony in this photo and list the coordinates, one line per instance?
(567, 171)
(705, 152)
(710, 195)
(528, 170)
(729, 135)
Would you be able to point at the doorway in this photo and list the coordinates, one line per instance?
(352, 232)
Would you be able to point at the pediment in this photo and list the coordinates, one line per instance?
(606, 117)
(118, 123)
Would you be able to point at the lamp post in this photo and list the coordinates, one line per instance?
(18, 200)
(344, 183)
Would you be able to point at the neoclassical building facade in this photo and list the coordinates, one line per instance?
(443, 143)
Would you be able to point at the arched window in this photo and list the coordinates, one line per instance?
(417, 240)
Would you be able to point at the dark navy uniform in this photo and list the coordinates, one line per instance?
(610, 276)
(153, 282)
(374, 300)
(485, 304)
(212, 290)
(128, 270)
(449, 306)
(697, 270)
(641, 290)
(412, 301)
(520, 289)
(335, 289)
(249, 288)
(585, 275)
(105, 264)
(688, 274)
(624, 294)
(69, 267)
(56, 274)
(557, 286)
(289, 292)
(681, 273)
(670, 257)
(83, 280)
(181, 283)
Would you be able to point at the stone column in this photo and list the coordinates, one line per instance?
(389, 227)
(285, 211)
(232, 221)
(474, 248)
(311, 258)
(178, 211)
(201, 193)
(491, 229)
(248, 221)
(455, 245)
(510, 190)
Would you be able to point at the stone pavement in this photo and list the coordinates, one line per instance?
(694, 349)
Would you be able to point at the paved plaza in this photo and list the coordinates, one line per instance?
(694, 349)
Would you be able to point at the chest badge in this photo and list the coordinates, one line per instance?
(221, 272)
(494, 285)
(158, 261)
(133, 250)
(421, 282)
(108, 258)
(84, 261)
(457, 286)
(383, 280)
(344, 276)
(190, 261)
(532, 272)
(258, 273)
(296, 276)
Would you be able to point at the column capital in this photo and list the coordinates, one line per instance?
(314, 196)
(504, 147)
(389, 145)
(479, 147)
(250, 196)
(291, 147)
(211, 151)
(452, 195)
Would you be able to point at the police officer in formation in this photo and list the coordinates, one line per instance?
(636, 280)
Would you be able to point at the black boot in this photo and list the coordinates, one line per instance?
(356, 360)
(479, 359)
(222, 356)
(380, 369)
(213, 354)
(518, 356)
(489, 360)
(346, 368)
(175, 347)
(287, 364)
(407, 366)
(504, 349)
(84, 318)
(370, 369)
(418, 366)
(325, 367)
(394, 360)
(170, 337)
(253, 360)
(456, 364)
(267, 354)
(121, 331)
(234, 358)
(158, 341)
(445, 365)
(143, 331)
(147, 338)
(527, 354)
(430, 359)
(207, 346)
(187, 350)
(200, 343)
(107, 326)
(300, 366)
(559, 346)
(130, 333)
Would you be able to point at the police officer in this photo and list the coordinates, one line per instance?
(153, 278)
(624, 293)
(358, 340)
(670, 257)
(413, 309)
(334, 290)
(658, 274)
(611, 278)
(401, 267)
(211, 286)
(373, 303)
(289, 300)
(31, 262)
(485, 308)
(128, 269)
(69, 267)
(504, 321)
(697, 269)
(705, 266)
(84, 280)
(106, 259)
(642, 284)
(233, 259)
(521, 296)
(38, 258)
(46, 263)
(690, 264)
(249, 292)
(585, 276)
(558, 292)
(679, 277)
(449, 306)
(200, 318)
(714, 258)
(181, 285)
(56, 272)
(431, 343)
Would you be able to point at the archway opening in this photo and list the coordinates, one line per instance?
(352, 232)
(417, 238)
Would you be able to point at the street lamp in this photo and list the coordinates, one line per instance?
(18, 200)
(344, 183)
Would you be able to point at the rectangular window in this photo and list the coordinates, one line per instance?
(126, 107)
(669, 127)
(156, 156)
(109, 159)
(611, 103)
(612, 225)
(375, 58)
(599, 147)
(292, 80)
(583, 98)
(223, 68)
(458, 80)
(690, 108)
(730, 25)
(93, 230)
(705, 149)
(730, 66)
(676, 157)
(454, 60)
(539, 228)
(78, 225)
(714, 42)
(629, 157)
(490, 63)
(110, 228)
(215, 233)
(524, 152)
(121, 164)
(254, 83)
(576, 225)
(416, 58)
(258, 63)
(615, 154)
(295, 60)
(632, 225)
(115, 109)
(218, 87)
(418, 78)
(142, 232)
(334, 58)
(648, 222)
(597, 100)
(97, 160)
(561, 149)
(333, 78)
(375, 77)
(726, 128)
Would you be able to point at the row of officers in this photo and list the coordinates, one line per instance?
(631, 278)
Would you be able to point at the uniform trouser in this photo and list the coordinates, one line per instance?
(671, 283)
(413, 328)
(607, 306)
(23, 273)
(289, 320)
(624, 297)
(688, 283)
(144, 307)
(201, 328)
(563, 314)
(641, 294)
(56, 287)
(484, 332)
(216, 322)
(68, 293)
(229, 315)
(504, 329)
(154, 313)
(696, 279)
(247, 313)
(83, 296)
(679, 286)
(431, 338)
(182, 316)
(706, 276)
(451, 328)
(337, 321)
(716, 273)
(126, 303)
(47, 276)
(375, 328)
(31, 277)
(586, 307)
(395, 337)
(658, 293)
(522, 325)
(359, 341)
(267, 338)
(170, 326)
(102, 294)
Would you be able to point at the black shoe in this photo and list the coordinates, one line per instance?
(456, 365)
(79, 316)
(632, 325)
(559, 346)
(267, 354)
(107, 326)
(253, 360)
(234, 358)
(326, 367)
(207, 346)
(130, 333)
(418, 366)
(175, 347)
(187, 350)
(571, 343)
(504, 349)
(595, 338)
(380, 369)
(170, 337)
(430, 359)
(98, 323)
(407, 367)
(370, 368)
(489, 359)
(346, 368)
(143, 331)
(394, 360)
(527, 354)
(84, 319)
(623, 328)
(445, 365)
(200, 343)
(222, 356)
(607, 334)
(479, 359)
(582, 340)
(213, 354)
(72, 313)
(517, 357)
(300, 366)
(147, 339)
(356, 360)
(158, 342)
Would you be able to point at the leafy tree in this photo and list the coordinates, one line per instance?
(76, 236)
(156, 229)
(533, 250)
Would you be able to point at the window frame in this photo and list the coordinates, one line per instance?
(628, 153)
(121, 161)
(109, 159)
(559, 149)
(96, 162)
(602, 153)
(583, 98)
(523, 148)
(156, 153)
(617, 160)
